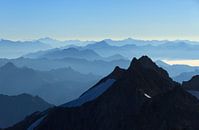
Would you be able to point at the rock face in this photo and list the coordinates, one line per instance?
(174, 110)
(141, 97)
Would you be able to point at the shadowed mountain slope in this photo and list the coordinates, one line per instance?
(144, 89)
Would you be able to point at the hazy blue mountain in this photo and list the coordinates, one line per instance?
(72, 52)
(114, 57)
(55, 86)
(65, 53)
(15, 108)
(165, 50)
(52, 42)
(176, 70)
(80, 65)
(57, 43)
(130, 41)
(106, 48)
(186, 76)
(13, 49)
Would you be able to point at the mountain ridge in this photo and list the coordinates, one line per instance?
(138, 89)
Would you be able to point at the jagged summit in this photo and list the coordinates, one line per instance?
(117, 73)
(147, 63)
(118, 101)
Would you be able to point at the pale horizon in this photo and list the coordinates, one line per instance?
(182, 62)
(100, 39)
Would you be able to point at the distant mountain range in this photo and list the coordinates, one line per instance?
(175, 70)
(179, 73)
(65, 53)
(15, 49)
(81, 65)
(15, 108)
(57, 43)
(71, 53)
(165, 50)
(140, 97)
(127, 47)
(186, 76)
(55, 86)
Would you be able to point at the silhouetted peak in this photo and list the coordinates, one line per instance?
(8, 65)
(71, 49)
(103, 43)
(145, 58)
(133, 61)
(117, 73)
(147, 62)
(25, 95)
(144, 61)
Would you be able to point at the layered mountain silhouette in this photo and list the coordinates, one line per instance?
(58, 43)
(66, 53)
(72, 52)
(127, 47)
(155, 49)
(81, 65)
(185, 76)
(55, 86)
(140, 97)
(178, 71)
(15, 108)
(14, 49)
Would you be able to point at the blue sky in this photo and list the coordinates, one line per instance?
(99, 19)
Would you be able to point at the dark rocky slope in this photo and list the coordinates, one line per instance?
(142, 97)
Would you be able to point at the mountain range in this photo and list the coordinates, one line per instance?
(143, 96)
(15, 108)
(179, 73)
(81, 65)
(127, 47)
(165, 50)
(15, 49)
(71, 52)
(55, 86)
(185, 76)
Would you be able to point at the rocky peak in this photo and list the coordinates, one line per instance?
(117, 73)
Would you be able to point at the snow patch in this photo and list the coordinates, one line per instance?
(36, 123)
(146, 95)
(91, 94)
(194, 93)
